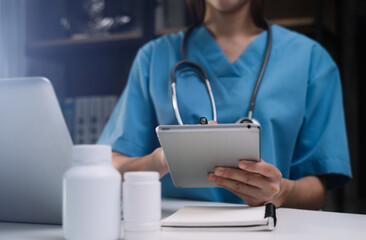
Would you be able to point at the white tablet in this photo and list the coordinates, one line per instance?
(192, 151)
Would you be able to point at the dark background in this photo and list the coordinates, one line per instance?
(99, 65)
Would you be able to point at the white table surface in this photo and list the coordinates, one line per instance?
(291, 224)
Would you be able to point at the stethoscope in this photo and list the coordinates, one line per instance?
(186, 65)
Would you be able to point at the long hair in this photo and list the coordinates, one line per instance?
(197, 10)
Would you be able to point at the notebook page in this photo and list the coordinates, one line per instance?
(217, 216)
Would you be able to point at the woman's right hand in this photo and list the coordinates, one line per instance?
(158, 162)
(154, 161)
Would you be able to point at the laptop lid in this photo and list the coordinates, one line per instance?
(35, 151)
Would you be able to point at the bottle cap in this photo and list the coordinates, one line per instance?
(84, 154)
(141, 176)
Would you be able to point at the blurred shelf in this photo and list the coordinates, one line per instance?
(164, 31)
(305, 25)
(80, 44)
(78, 40)
(294, 22)
(83, 44)
(129, 41)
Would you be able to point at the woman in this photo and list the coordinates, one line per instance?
(299, 107)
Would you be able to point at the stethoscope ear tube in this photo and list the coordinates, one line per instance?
(183, 66)
(261, 73)
(175, 104)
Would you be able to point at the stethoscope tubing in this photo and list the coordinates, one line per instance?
(261, 73)
(192, 66)
(175, 102)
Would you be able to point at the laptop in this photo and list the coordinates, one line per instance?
(35, 151)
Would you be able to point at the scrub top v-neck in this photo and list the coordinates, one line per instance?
(299, 104)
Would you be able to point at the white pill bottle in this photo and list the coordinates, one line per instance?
(141, 201)
(92, 195)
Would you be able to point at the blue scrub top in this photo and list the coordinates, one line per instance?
(299, 104)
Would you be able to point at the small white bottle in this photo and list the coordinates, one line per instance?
(92, 195)
(141, 201)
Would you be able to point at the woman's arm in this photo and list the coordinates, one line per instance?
(260, 182)
(154, 161)
(307, 193)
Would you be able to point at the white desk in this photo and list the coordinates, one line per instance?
(291, 224)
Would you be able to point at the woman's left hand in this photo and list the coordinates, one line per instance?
(255, 182)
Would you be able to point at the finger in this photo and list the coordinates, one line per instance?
(234, 186)
(250, 201)
(261, 168)
(240, 175)
(251, 195)
(212, 122)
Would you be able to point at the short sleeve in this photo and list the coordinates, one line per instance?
(321, 147)
(131, 127)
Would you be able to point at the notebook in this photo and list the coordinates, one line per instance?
(223, 218)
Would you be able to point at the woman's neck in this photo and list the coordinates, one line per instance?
(233, 31)
(230, 24)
